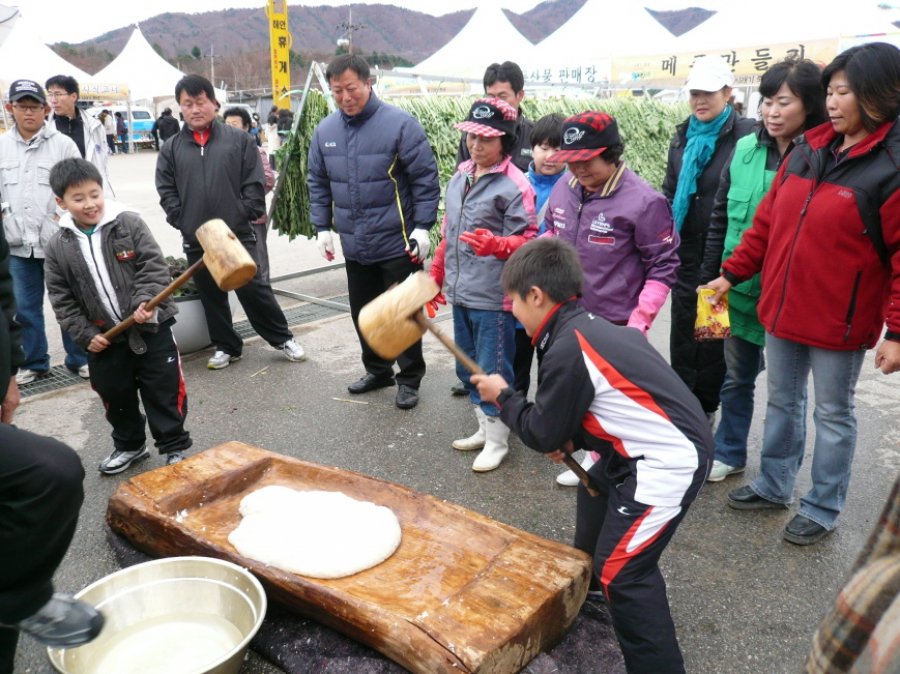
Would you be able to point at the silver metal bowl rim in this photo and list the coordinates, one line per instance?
(245, 642)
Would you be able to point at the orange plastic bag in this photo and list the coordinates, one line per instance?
(712, 319)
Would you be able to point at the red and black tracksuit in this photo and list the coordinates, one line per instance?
(607, 390)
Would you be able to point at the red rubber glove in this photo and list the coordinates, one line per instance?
(436, 271)
(483, 243)
(431, 307)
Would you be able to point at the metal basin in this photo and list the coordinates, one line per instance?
(180, 615)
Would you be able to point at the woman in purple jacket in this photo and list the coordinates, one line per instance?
(621, 227)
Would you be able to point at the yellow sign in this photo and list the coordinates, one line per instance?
(280, 47)
(748, 64)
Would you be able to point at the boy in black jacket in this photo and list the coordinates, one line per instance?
(102, 266)
(603, 388)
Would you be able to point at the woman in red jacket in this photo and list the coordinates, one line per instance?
(827, 241)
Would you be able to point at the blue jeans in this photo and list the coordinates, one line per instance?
(835, 374)
(744, 361)
(28, 286)
(489, 338)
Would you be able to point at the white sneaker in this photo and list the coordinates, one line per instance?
(293, 351)
(28, 376)
(570, 479)
(722, 470)
(220, 360)
(84, 371)
(119, 460)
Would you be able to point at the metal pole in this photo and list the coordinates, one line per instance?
(287, 158)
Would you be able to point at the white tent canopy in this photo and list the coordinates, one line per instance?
(780, 22)
(148, 75)
(24, 56)
(580, 50)
(487, 38)
(8, 17)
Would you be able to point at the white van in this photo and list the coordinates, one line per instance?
(139, 125)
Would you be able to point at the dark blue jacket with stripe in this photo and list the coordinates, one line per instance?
(374, 179)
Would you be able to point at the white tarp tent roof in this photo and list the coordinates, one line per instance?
(777, 22)
(600, 30)
(488, 37)
(147, 74)
(24, 56)
(8, 17)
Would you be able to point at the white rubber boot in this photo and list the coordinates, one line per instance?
(569, 479)
(496, 445)
(476, 440)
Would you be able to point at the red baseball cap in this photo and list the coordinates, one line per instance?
(489, 117)
(586, 135)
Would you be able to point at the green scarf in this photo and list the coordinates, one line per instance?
(701, 144)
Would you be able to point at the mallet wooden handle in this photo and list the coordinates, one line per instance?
(161, 297)
(474, 368)
(460, 355)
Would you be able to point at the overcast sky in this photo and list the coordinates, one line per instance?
(79, 20)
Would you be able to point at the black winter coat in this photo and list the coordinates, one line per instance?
(701, 365)
(223, 179)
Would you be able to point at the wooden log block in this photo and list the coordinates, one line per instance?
(462, 594)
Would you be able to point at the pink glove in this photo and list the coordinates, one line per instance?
(650, 301)
(483, 242)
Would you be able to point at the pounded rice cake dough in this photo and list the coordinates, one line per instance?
(321, 534)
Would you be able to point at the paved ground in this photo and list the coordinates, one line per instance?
(744, 601)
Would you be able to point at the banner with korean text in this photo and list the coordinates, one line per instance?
(748, 64)
(280, 47)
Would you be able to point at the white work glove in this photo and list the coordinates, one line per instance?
(326, 244)
(418, 246)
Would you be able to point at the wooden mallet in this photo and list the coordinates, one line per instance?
(393, 322)
(228, 262)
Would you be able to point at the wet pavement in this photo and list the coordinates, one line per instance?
(744, 600)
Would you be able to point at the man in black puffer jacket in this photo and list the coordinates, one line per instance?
(372, 175)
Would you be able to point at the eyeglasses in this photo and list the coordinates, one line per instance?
(33, 109)
(58, 94)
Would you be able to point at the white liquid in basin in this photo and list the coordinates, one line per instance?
(181, 643)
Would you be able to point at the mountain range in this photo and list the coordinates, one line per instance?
(238, 38)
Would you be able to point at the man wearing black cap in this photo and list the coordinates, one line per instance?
(30, 219)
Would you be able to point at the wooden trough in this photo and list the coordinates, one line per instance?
(462, 594)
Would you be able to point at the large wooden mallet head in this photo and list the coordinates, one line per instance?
(388, 322)
(228, 262)
(224, 256)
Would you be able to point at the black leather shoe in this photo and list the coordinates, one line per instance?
(459, 390)
(745, 498)
(370, 383)
(64, 622)
(407, 397)
(803, 531)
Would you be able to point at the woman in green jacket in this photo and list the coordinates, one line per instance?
(792, 101)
